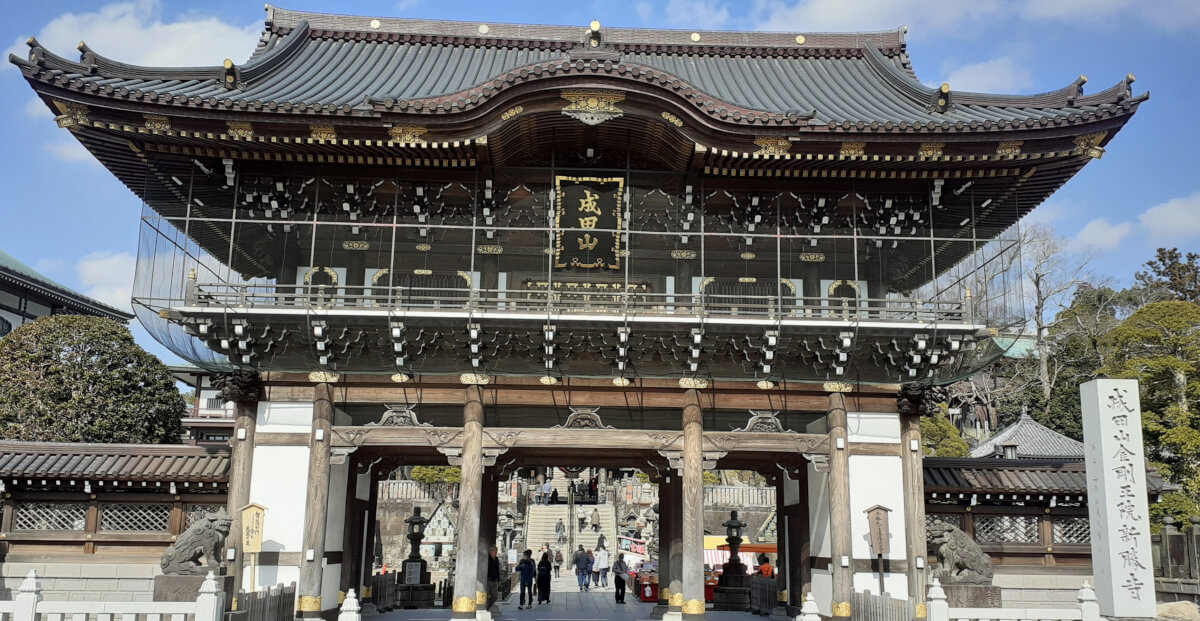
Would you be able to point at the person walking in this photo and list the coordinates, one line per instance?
(526, 569)
(543, 579)
(493, 577)
(580, 562)
(581, 515)
(600, 569)
(546, 489)
(764, 566)
(558, 561)
(595, 520)
(560, 529)
(620, 573)
(591, 570)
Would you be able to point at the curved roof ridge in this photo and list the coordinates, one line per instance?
(278, 17)
(1035, 438)
(282, 51)
(105, 66)
(904, 82)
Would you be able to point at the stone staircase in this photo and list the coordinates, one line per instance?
(541, 519)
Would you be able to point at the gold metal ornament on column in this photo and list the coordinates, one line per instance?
(480, 598)
(675, 600)
(693, 607)
(464, 604)
(841, 609)
(922, 611)
(308, 603)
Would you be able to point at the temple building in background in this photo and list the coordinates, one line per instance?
(502, 246)
(26, 294)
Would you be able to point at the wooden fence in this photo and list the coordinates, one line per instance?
(277, 603)
(869, 607)
(29, 606)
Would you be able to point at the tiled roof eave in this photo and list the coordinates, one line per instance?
(67, 297)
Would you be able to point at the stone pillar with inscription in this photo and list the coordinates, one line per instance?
(243, 389)
(1117, 507)
(693, 508)
(466, 566)
(308, 602)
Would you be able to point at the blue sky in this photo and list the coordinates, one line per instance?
(64, 214)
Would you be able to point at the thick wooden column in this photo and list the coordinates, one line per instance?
(241, 465)
(668, 528)
(466, 567)
(693, 508)
(784, 559)
(316, 507)
(352, 532)
(675, 548)
(912, 458)
(487, 526)
(841, 548)
(800, 545)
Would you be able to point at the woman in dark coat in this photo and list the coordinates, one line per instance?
(543, 579)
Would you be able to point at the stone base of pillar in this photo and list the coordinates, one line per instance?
(731, 598)
(780, 613)
(672, 615)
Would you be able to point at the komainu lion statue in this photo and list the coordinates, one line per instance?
(206, 538)
(960, 561)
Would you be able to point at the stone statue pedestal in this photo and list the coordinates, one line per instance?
(733, 586)
(415, 588)
(185, 588)
(973, 595)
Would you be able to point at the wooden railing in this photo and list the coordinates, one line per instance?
(870, 607)
(277, 603)
(622, 302)
(29, 606)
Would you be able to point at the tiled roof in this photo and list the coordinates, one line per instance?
(114, 462)
(320, 64)
(1016, 476)
(13, 270)
(1033, 440)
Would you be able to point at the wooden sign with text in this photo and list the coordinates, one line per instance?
(252, 528)
(877, 520)
(588, 218)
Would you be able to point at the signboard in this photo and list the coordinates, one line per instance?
(412, 572)
(631, 545)
(877, 520)
(588, 218)
(1117, 509)
(512, 556)
(252, 528)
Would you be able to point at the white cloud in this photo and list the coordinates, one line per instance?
(404, 5)
(840, 16)
(1051, 212)
(108, 277)
(68, 149)
(1173, 221)
(1100, 234)
(49, 265)
(1073, 9)
(644, 10)
(701, 14)
(999, 75)
(134, 32)
(36, 109)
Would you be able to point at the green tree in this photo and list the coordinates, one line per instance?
(1159, 345)
(1174, 272)
(941, 437)
(436, 475)
(68, 378)
(711, 478)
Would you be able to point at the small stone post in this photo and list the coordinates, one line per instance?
(28, 596)
(809, 611)
(938, 608)
(350, 609)
(209, 604)
(1088, 606)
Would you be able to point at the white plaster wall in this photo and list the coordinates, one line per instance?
(895, 585)
(335, 513)
(331, 577)
(271, 575)
(879, 427)
(822, 591)
(876, 480)
(279, 482)
(284, 417)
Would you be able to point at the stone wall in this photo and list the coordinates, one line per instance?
(1041, 590)
(106, 582)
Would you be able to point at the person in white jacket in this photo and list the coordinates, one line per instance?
(600, 568)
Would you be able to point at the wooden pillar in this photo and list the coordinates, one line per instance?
(466, 568)
(352, 532)
(370, 531)
(667, 529)
(693, 508)
(487, 527)
(241, 463)
(800, 544)
(783, 558)
(912, 460)
(841, 549)
(675, 547)
(316, 507)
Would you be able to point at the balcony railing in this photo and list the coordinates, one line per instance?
(591, 302)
